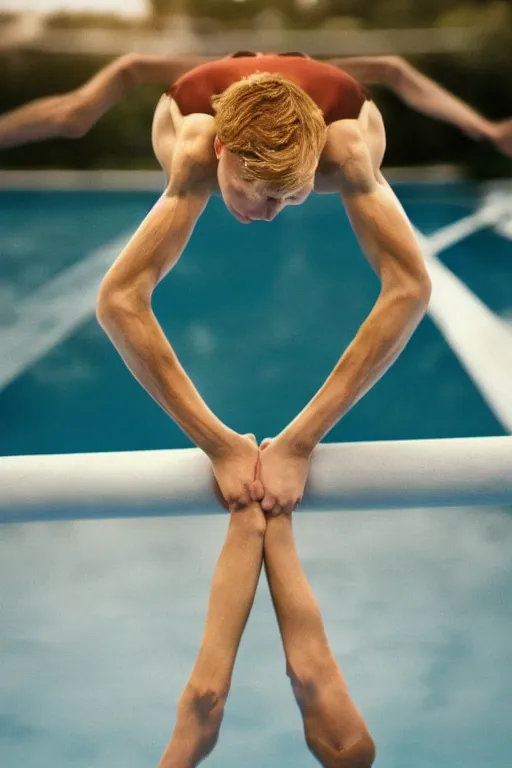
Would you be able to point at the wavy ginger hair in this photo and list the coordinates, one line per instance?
(274, 127)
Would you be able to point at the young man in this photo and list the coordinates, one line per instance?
(334, 729)
(263, 131)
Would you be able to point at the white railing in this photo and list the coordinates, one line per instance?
(403, 474)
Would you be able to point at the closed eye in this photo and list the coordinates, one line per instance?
(291, 199)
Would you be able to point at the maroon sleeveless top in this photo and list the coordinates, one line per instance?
(337, 94)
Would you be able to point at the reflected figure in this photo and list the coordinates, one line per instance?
(334, 730)
(72, 115)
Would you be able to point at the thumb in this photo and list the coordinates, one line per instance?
(265, 443)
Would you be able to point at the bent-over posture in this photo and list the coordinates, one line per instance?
(263, 132)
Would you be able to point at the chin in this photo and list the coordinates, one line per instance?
(238, 216)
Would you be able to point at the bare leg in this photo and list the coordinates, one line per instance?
(71, 115)
(424, 95)
(334, 729)
(201, 705)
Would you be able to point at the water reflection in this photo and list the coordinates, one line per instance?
(100, 623)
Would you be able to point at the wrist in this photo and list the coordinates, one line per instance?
(221, 444)
(297, 441)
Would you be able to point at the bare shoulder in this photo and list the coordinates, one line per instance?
(344, 140)
(346, 151)
(355, 143)
(197, 128)
(194, 165)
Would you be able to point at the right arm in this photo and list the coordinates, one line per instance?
(124, 301)
(124, 311)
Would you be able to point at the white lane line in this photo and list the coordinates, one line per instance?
(50, 314)
(495, 206)
(480, 339)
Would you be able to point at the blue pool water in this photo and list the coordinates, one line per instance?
(258, 316)
(100, 621)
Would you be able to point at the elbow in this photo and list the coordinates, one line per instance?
(418, 292)
(70, 118)
(412, 293)
(105, 305)
(423, 291)
(113, 305)
(418, 289)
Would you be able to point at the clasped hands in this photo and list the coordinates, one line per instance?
(274, 473)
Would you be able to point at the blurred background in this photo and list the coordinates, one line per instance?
(100, 621)
(50, 46)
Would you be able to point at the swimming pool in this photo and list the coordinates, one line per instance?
(100, 621)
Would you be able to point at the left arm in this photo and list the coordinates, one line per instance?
(388, 242)
(424, 95)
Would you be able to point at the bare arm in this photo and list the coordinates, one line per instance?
(334, 729)
(420, 92)
(388, 242)
(71, 115)
(201, 705)
(125, 313)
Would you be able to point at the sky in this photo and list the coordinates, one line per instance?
(122, 7)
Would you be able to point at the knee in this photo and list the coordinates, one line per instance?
(309, 671)
(394, 70)
(70, 118)
(357, 752)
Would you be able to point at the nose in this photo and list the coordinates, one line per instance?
(271, 211)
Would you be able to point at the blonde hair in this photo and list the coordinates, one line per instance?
(275, 128)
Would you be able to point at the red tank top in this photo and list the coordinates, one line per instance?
(337, 94)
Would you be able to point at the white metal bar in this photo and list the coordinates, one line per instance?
(401, 474)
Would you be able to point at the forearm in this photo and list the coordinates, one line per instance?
(297, 611)
(231, 597)
(379, 342)
(201, 705)
(147, 353)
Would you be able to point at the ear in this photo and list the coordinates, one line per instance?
(217, 145)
